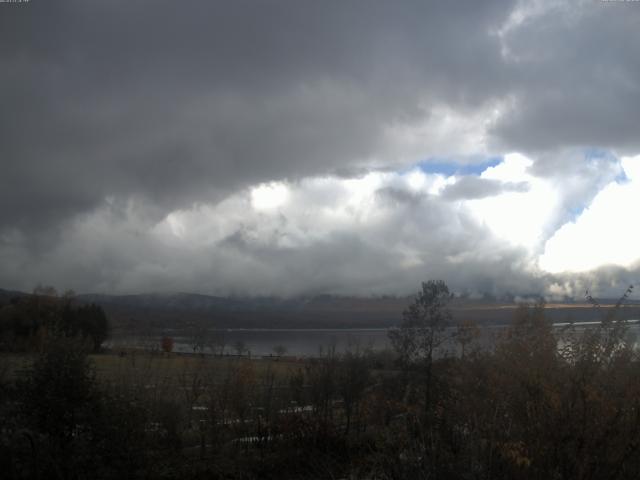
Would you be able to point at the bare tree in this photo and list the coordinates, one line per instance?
(422, 331)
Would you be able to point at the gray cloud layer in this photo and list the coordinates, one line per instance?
(474, 187)
(162, 105)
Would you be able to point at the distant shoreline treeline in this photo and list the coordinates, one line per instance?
(135, 314)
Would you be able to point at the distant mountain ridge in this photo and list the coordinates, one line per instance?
(154, 311)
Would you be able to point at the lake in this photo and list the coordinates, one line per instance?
(297, 342)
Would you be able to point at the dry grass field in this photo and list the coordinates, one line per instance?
(169, 369)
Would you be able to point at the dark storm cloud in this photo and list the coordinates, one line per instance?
(179, 102)
(578, 66)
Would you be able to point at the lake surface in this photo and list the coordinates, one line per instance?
(298, 342)
(261, 342)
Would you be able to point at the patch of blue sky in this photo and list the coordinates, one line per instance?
(446, 167)
(576, 211)
(601, 154)
(598, 153)
(621, 177)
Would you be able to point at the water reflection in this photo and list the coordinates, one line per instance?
(309, 342)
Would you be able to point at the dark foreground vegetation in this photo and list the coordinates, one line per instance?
(534, 406)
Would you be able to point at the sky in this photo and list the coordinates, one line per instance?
(299, 147)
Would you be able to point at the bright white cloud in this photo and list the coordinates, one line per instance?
(382, 232)
(268, 196)
(606, 233)
(518, 217)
